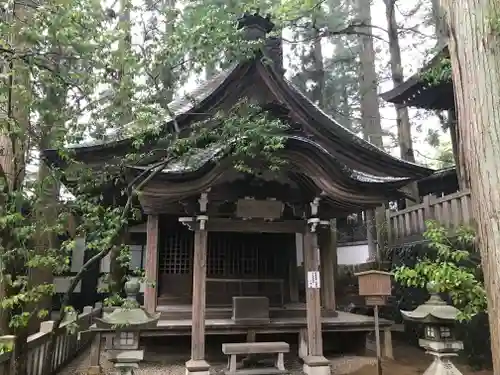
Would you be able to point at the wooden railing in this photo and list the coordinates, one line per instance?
(68, 344)
(451, 211)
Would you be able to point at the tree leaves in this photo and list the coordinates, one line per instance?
(451, 265)
(71, 58)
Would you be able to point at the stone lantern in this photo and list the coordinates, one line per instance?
(123, 326)
(439, 340)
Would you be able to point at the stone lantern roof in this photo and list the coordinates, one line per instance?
(435, 310)
(129, 318)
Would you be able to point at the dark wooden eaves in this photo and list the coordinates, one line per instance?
(417, 92)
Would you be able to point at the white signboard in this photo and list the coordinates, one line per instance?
(313, 280)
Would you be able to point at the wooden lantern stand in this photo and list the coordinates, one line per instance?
(375, 286)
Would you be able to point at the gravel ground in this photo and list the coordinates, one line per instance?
(168, 360)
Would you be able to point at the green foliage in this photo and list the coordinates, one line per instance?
(439, 73)
(5, 348)
(114, 300)
(453, 266)
(494, 22)
(20, 230)
(73, 75)
(445, 157)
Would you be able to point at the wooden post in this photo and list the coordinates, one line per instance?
(388, 353)
(381, 234)
(313, 298)
(95, 355)
(293, 271)
(150, 292)
(303, 346)
(251, 337)
(377, 341)
(428, 209)
(199, 285)
(371, 235)
(328, 256)
(388, 223)
(335, 260)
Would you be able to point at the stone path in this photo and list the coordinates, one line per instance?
(165, 361)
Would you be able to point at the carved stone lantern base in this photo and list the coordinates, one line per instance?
(126, 361)
(126, 368)
(442, 365)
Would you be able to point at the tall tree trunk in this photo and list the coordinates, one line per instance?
(46, 209)
(345, 107)
(167, 77)
(318, 67)
(372, 128)
(457, 147)
(402, 118)
(125, 47)
(370, 115)
(13, 144)
(117, 272)
(439, 24)
(344, 62)
(475, 57)
(441, 30)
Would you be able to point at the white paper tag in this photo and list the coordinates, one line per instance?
(313, 280)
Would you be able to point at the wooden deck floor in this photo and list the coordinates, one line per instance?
(285, 320)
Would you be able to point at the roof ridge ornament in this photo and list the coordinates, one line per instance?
(255, 26)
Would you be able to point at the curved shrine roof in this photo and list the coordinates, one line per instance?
(307, 164)
(349, 170)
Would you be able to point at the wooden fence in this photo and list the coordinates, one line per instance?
(450, 211)
(68, 344)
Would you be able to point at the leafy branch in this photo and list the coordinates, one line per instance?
(439, 73)
(452, 265)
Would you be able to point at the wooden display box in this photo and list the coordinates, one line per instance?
(374, 283)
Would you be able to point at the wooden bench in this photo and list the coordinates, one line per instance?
(249, 348)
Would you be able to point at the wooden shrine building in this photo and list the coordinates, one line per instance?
(213, 233)
(431, 88)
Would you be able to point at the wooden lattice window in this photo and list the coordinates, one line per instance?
(229, 254)
(247, 254)
(176, 254)
(215, 258)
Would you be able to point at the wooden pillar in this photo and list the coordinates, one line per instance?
(293, 271)
(150, 291)
(380, 230)
(388, 353)
(303, 347)
(334, 255)
(199, 286)
(95, 355)
(323, 265)
(328, 265)
(313, 298)
(371, 235)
